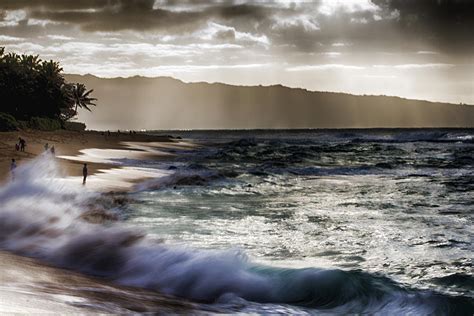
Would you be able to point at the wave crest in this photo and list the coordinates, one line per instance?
(41, 217)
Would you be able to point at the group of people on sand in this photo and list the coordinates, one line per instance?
(21, 145)
(119, 132)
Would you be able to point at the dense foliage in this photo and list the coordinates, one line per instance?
(74, 126)
(44, 123)
(8, 123)
(34, 88)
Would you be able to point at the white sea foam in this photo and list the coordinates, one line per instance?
(41, 217)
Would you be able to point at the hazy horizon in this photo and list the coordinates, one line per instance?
(412, 49)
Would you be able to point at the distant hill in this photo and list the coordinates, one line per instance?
(167, 103)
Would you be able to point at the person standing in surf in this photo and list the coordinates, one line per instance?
(12, 169)
(84, 174)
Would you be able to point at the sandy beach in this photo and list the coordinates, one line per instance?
(74, 148)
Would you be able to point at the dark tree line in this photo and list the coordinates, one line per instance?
(31, 87)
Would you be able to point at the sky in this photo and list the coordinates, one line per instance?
(422, 49)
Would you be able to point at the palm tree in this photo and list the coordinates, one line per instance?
(51, 70)
(31, 62)
(80, 97)
(10, 60)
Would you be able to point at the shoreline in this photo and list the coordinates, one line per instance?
(32, 286)
(148, 270)
(94, 148)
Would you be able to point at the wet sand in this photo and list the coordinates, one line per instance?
(100, 151)
(30, 287)
(67, 143)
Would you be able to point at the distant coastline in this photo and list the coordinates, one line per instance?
(296, 130)
(138, 77)
(169, 104)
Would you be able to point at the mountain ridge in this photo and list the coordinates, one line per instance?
(170, 103)
(260, 86)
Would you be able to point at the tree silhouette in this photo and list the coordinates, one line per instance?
(31, 87)
(81, 98)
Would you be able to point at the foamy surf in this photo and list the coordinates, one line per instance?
(42, 217)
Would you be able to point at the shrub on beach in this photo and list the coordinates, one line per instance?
(74, 126)
(44, 124)
(23, 124)
(7, 123)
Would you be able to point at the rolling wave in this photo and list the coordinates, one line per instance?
(41, 217)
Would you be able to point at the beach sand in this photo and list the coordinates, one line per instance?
(31, 287)
(94, 148)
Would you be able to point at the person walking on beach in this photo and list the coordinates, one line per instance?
(53, 150)
(12, 169)
(84, 173)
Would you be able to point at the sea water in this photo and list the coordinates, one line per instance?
(308, 221)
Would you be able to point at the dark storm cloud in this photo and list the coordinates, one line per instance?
(243, 10)
(116, 15)
(389, 24)
(445, 13)
(448, 24)
(55, 4)
(121, 17)
(396, 25)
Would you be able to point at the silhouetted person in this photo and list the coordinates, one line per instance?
(46, 147)
(12, 168)
(22, 144)
(17, 147)
(84, 174)
(53, 150)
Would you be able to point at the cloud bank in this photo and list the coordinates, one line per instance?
(430, 38)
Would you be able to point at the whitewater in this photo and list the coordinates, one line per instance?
(301, 222)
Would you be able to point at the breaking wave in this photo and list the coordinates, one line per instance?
(42, 217)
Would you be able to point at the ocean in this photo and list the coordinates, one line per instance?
(273, 221)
